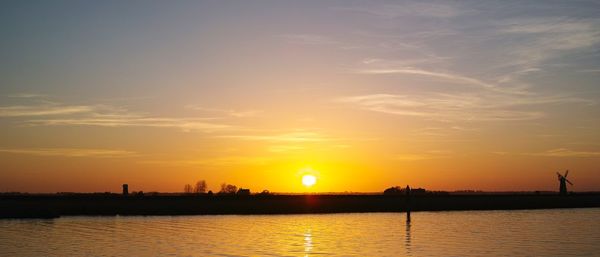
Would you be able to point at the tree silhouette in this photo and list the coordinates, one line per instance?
(396, 190)
(228, 189)
(200, 187)
(188, 189)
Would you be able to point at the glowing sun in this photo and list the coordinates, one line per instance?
(309, 180)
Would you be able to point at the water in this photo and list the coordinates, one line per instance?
(566, 232)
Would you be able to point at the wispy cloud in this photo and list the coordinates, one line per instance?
(438, 133)
(298, 137)
(422, 156)
(544, 38)
(70, 152)
(506, 99)
(447, 76)
(285, 148)
(556, 33)
(27, 95)
(423, 9)
(215, 161)
(229, 112)
(185, 124)
(56, 114)
(308, 39)
(589, 71)
(42, 110)
(564, 152)
(474, 107)
(501, 94)
(423, 57)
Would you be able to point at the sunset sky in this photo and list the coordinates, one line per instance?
(364, 95)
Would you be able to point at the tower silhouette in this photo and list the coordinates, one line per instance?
(125, 189)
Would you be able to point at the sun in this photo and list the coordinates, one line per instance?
(309, 180)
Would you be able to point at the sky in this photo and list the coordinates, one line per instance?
(364, 95)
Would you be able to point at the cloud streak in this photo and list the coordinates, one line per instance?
(446, 76)
(456, 107)
(42, 110)
(545, 38)
(54, 114)
(422, 156)
(564, 152)
(27, 95)
(292, 137)
(216, 161)
(431, 74)
(185, 124)
(70, 152)
(308, 39)
(419, 9)
(556, 33)
(229, 112)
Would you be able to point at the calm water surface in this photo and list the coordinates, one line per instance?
(566, 232)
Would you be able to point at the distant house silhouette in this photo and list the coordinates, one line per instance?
(243, 191)
(418, 191)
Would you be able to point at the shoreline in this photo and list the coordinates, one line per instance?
(54, 206)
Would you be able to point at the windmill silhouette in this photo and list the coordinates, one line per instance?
(563, 182)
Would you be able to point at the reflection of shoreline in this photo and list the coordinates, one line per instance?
(50, 206)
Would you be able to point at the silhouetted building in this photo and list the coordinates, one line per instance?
(125, 189)
(243, 191)
(418, 191)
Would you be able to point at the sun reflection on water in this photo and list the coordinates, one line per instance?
(308, 244)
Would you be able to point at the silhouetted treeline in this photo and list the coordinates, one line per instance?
(48, 206)
(397, 190)
(226, 189)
